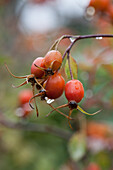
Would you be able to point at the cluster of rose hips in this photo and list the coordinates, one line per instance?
(50, 84)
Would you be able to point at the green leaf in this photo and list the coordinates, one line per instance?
(62, 69)
(77, 146)
(74, 69)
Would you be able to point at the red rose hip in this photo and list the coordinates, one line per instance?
(37, 71)
(53, 59)
(74, 91)
(54, 86)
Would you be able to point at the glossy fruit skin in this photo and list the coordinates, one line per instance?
(74, 90)
(36, 71)
(24, 96)
(54, 86)
(52, 56)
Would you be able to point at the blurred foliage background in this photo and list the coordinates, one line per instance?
(27, 30)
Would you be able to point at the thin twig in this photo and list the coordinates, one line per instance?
(80, 37)
(88, 37)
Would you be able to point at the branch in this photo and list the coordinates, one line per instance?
(34, 127)
(80, 37)
(97, 36)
